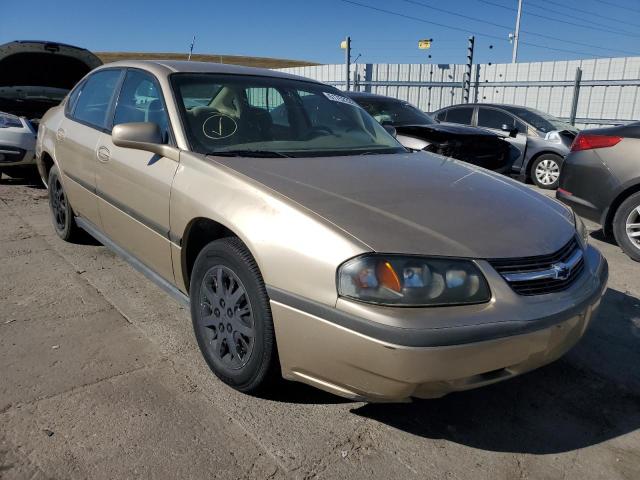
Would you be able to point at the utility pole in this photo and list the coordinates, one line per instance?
(466, 82)
(516, 35)
(346, 46)
(191, 49)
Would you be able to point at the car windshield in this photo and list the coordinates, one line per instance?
(539, 120)
(259, 116)
(396, 112)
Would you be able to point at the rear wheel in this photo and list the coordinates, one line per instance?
(64, 221)
(545, 171)
(626, 226)
(232, 317)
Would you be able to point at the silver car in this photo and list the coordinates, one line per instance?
(542, 139)
(36, 76)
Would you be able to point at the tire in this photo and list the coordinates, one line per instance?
(628, 213)
(248, 364)
(62, 215)
(545, 171)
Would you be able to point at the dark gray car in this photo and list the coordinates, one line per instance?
(418, 131)
(600, 179)
(542, 139)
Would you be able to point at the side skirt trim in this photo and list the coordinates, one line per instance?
(92, 230)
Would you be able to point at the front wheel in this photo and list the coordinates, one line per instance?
(545, 171)
(62, 215)
(626, 226)
(232, 317)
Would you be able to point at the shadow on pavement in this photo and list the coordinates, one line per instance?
(294, 392)
(600, 236)
(26, 179)
(589, 396)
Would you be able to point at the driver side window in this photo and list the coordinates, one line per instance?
(140, 101)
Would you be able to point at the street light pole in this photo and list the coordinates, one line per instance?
(191, 48)
(516, 35)
(347, 61)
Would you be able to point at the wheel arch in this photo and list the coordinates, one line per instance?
(199, 232)
(610, 213)
(45, 163)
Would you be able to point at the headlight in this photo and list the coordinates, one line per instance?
(553, 137)
(7, 120)
(581, 229)
(404, 280)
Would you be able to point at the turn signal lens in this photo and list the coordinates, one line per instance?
(404, 280)
(586, 141)
(388, 276)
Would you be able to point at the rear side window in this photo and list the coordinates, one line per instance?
(140, 101)
(94, 101)
(73, 98)
(460, 115)
(491, 118)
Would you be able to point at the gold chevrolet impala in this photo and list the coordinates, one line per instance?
(308, 243)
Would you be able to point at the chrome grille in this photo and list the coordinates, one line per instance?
(542, 274)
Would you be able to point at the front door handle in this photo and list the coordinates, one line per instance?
(60, 134)
(104, 155)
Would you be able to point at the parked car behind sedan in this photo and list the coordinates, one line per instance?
(543, 140)
(600, 180)
(35, 76)
(418, 131)
(313, 245)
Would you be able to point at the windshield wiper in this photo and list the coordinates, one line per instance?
(250, 153)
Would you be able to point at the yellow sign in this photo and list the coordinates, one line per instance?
(343, 44)
(424, 44)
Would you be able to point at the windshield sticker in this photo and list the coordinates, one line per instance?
(219, 126)
(339, 98)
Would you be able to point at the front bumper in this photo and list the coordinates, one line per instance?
(484, 344)
(17, 147)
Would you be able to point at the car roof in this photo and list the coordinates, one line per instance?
(495, 105)
(364, 95)
(167, 67)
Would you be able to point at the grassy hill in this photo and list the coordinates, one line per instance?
(108, 57)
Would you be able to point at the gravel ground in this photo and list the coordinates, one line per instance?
(100, 377)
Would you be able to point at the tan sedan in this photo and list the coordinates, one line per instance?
(308, 242)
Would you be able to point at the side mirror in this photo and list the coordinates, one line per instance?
(145, 136)
(513, 133)
(391, 130)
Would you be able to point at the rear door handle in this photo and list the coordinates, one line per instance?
(104, 155)
(60, 134)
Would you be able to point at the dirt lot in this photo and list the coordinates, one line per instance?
(100, 377)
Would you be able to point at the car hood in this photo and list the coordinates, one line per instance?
(37, 75)
(418, 203)
(447, 128)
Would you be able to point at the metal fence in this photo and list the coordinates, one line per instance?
(608, 92)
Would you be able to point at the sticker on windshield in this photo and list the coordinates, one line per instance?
(219, 126)
(339, 98)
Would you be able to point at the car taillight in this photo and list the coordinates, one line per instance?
(585, 141)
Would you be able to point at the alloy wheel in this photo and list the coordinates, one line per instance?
(633, 227)
(226, 317)
(59, 205)
(547, 172)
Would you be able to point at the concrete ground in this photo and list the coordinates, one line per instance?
(100, 377)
